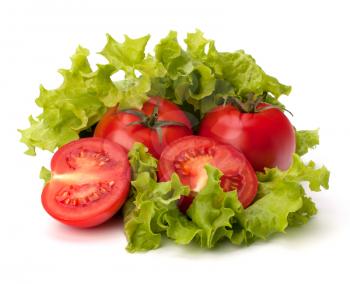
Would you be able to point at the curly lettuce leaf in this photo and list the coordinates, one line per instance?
(142, 161)
(303, 214)
(194, 73)
(148, 201)
(130, 57)
(73, 107)
(210, 213)
(142, 215)
(45, 174)
(297, 173)
(305, 140)
(241, 70)
(237, 68)
(281, 198)
(176, 61)
(125, 56)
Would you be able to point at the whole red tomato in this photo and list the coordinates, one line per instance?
(156, 125)
(266, 137)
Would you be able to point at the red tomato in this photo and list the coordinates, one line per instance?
(188, 156)
(265, 137)
(89, 183)
(157, 124)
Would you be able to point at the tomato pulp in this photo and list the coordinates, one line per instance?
(89, 183)
(188, 156)
(265, 137)
(157, 124)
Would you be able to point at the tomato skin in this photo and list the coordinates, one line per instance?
(93, 170)
(266, 138)
(114, 126)
(187, 157)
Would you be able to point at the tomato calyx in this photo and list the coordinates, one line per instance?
(252, 103)
(152, 121)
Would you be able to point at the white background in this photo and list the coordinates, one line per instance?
(304, 44)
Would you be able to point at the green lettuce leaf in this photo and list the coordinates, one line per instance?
(212, 210)
(71, 108)
(125, 56)
(297, 173)
(196, 76)
(148, 201)
(45, 174)
(176, 61)
(196, 44)
(305, 140)
(241, 70)
(303, 214)
(281, 198)
(142, 215)
(142, 161)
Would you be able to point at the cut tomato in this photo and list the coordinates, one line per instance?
(89, 183)
(188, 156)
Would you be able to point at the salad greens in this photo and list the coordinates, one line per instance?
(197, 78)
(194, 78)
(152, 211)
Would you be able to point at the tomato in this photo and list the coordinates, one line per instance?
(266, 137)
(89, 183)
(188, 156)
(157, 124)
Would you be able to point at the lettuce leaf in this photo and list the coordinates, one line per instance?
(215, 215)
(281, 198)
(195, 76)
(142, 161)
(210, 214)
(125, 56)
(148, 201)
(45, 174)
(305, 140)
(71, 108)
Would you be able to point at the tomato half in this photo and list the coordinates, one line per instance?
(157, 124)
(89, 183)
(265, 137)
(188, 156)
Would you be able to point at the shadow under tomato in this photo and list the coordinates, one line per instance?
(111, 229)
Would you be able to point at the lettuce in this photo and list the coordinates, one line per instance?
(198, 78)
(148, 201)
(215, 215)
(305, 140)
(71, 108)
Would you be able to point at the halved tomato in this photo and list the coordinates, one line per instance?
(89, 183)
(188, 156)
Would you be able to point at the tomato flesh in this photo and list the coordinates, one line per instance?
(90, 182)
(119, 126)
(188, 156)
(266, 138)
